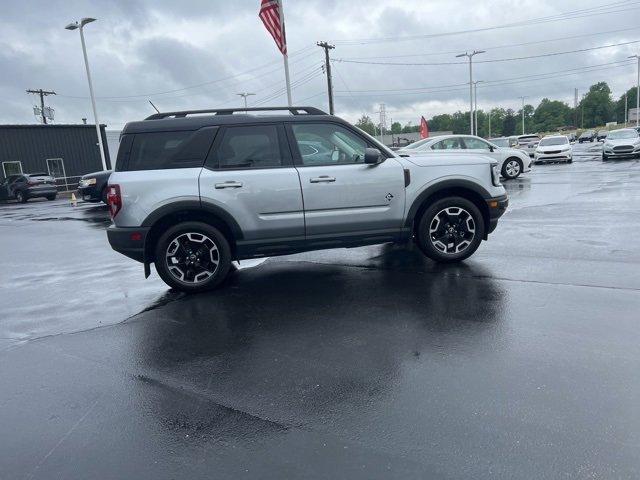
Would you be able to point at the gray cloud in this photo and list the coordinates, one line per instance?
(153, 46)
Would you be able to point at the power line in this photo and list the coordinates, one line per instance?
(586, 12)
(497, 47)
(495, 60)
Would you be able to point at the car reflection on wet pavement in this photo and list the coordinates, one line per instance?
(363, 363)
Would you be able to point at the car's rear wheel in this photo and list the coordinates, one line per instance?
(192, 257)
(51, 197)
(21, 197)
(512, 168)
(103, 195)
(450, 230)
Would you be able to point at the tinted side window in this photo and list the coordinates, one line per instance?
(328, 144)
(448, 144)
(255, 146)
(160, 150)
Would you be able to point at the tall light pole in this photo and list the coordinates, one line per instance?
(522, 98)
(470, 57)
(489, 123)
(475, 105)
(80, 26)
(637, 57)
(245, 95)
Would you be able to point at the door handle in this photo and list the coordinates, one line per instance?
(322, 179)
(229, 184)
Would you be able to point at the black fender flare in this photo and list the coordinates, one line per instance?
(439, 186)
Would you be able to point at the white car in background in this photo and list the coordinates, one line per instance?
(622, 143)
(511, 161)
(528, 143)
(553, 148)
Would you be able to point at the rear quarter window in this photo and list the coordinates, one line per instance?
(164, 150)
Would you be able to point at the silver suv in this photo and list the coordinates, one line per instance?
(192, 191)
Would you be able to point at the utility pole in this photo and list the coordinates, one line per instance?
(245, 95)
(470, 57)
(582, 111)
(42, 93)
(637, 57)
(522, 113)
(327, 64)
(575, 107)
(625, 109)
(383, 121)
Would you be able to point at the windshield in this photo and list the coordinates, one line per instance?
(527, 139)
(417, 144)
(616, 134)
(500, 142)
(554, 141)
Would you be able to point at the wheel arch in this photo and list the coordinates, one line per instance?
(459, 188)
(185, 211)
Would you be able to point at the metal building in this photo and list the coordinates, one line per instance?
(64, 151)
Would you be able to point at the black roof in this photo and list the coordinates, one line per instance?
(195, 119)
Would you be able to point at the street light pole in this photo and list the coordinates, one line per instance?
(522, 98)
(245, 95)
(637, 57)
(80, 26)
(475, 105)
(470, 57)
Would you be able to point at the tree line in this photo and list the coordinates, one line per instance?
(595, 108)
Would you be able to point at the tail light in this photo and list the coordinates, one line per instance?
(114, 200)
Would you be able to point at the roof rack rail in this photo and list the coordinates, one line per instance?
(231, 111)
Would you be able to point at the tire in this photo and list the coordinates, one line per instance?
(51, 197)
(570, 160)
(604, 158)
(512, 168)
(21, 197)
(103, 195)
(189, 250)
(456, 212)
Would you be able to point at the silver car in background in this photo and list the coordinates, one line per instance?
(623, 143)
(528, 143)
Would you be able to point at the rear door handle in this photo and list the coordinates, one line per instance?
(229, 184)
(322, 179)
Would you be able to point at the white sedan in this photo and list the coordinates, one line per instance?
(553, 148)
(512, 161)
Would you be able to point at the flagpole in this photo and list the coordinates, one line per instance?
(285, 56)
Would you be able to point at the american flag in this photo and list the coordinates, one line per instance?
(270, 16)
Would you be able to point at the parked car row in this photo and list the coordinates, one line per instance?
(24, 186)
(511, 161)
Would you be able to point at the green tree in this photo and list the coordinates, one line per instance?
(551, 115)
(509, 123)
(619, 106)
(596, 106)
(365, 124)
(396, 127)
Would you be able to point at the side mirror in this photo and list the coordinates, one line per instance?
(372, 156)
(491, 148)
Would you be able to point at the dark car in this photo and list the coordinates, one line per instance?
(602, 135)
(24, 186)
(588, 136)
(93, 186)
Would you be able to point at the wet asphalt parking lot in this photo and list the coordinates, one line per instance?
(522, 362)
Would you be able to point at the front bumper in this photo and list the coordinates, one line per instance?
(553, 157)
(623, 154)
(129, 241)
(497, 207)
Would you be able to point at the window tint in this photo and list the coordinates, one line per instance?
(160, 150)
(448, 144)
(255, 146)
(500, 142)
(328, 144)
(476, 144)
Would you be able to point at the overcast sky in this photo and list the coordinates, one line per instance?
(204, 52)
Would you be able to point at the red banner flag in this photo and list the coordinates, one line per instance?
(424, 128)
(270, 16)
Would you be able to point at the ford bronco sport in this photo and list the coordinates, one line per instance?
(194, 190)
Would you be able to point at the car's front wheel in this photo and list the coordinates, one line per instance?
(192, 257)
(21, 197)
(450, 230)
(512, 168)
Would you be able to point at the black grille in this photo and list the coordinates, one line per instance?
(623, 148)
(551, 152)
